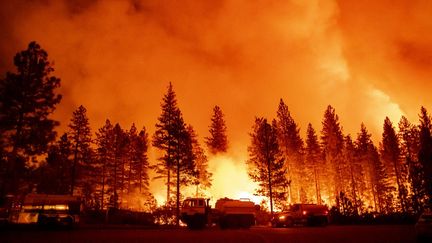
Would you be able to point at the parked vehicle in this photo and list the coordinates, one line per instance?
(228, 213)
(8, 204)
(301, 214)
(423, 227)
(47, 210)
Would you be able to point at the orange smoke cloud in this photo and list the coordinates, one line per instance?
(369, 59)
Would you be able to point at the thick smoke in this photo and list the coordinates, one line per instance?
(369, 59)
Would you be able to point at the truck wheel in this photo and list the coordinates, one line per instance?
(223, 224)
(197, 222)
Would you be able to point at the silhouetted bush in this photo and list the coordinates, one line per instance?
(117, 216)
(372, 218)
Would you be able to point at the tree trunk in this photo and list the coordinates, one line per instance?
(75, 161)
(168, 185)
(401, 199)
(354, 192)
(178, 194)
(103, 185)
(318, 197)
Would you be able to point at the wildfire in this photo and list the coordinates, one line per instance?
(230, 179)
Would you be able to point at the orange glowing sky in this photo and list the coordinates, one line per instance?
(369, 59)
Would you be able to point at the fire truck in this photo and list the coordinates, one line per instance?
(196, 213)
(47, 210)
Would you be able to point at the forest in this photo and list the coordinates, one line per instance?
(110, 167)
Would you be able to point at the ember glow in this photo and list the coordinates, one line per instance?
(369, 59)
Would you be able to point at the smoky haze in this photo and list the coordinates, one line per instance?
(369, 59)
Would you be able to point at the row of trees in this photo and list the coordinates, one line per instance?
(355, 176)
(109, 166)
(103, 167)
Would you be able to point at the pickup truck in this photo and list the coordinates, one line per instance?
(301, 214)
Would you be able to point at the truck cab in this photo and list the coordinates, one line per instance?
(194, 212)
(193, 206)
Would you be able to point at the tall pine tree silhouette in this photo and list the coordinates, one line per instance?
(80, 137)
(265, 163)
(425, 152)
(27, 98)
(409, 135)
(332, 145)
(314, 159)
(164, 137)
(390, 154)
(291, 144)
(217, 142)
(173, 139)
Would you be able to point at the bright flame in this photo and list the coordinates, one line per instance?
(253, 198)
(230, 179)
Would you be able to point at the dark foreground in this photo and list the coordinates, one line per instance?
(390, 233)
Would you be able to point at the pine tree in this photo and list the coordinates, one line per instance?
(185, 162)
(173, 139)
(80, 137)
(355, 175)
(332, 145)
(105, 158)
(390, 154)
(364, 156)
(53, 177)
(164, 137)
(292, 146)
(138, 168)
(217, 142)
(116, 168)
(202, 177)
(425, 151)
(265, 164)
(409, 144)
(27, 98)
(60, 159)
(314, 159)
(382, 184)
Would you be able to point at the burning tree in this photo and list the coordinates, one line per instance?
(266, 165)
(390, 155)
(332, 145)
(410, 144)
(27, 98)
(382, 186)
(314, 160)
(364, 169)
(217, 142)
(425, 151)
(355, 175)
(291, 144)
